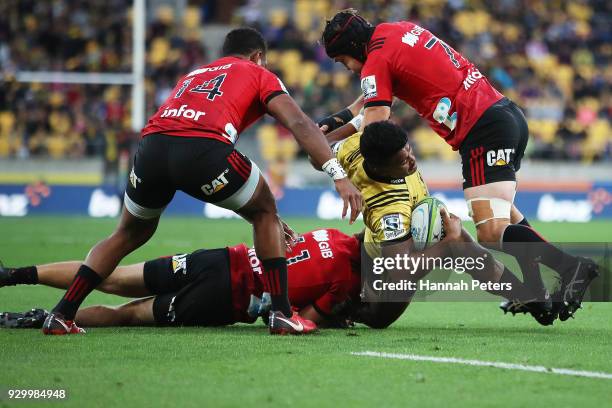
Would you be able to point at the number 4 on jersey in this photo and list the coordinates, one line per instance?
(211, 87)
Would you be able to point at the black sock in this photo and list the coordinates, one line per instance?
(27, 275)
(85, 281)
(543, 252)
(512, 288)
(532, 276)
(275, 279)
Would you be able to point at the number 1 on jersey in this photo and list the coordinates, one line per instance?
(183, 87)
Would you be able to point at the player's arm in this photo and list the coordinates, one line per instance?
(453, 233)
(338, 119)
(380, 315)
(370, 114)
(345, 131)
(308, 135)
(377, 87)
(373, 114)
(310, 313)
(322, 310)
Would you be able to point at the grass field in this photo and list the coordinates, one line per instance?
(241, 365)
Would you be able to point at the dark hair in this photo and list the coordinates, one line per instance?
(381, 140)
(243, 41)
(347, 33)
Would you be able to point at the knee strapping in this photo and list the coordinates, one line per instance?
(483, 209)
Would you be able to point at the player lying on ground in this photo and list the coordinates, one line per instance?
(406, 61)
(188, 145)
(380, 162)
(209, 287)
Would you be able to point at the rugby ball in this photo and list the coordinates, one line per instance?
(426, 223)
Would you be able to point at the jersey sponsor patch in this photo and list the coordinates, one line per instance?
(182, 112)
(217, 184)
(499, 157)
(134, 179)
(393, 226)
(412, 37)
(179, 264)
(368, 87)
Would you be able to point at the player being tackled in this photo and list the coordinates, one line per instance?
(405, 61)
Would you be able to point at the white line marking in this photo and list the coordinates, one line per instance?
(507, 366)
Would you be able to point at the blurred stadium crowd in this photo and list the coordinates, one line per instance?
(552, 57)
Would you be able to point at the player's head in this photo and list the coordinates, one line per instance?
(385, 150)
(345, 39)
(245, 42)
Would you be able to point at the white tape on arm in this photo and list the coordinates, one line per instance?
(333, 169)
(357, 121)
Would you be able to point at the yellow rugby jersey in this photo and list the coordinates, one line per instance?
(388, 204)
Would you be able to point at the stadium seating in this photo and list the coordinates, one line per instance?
(552, 62)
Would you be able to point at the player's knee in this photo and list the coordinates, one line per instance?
(491, 231)
(135, 233)
(491, 216)
(262, 206)
(108, 285)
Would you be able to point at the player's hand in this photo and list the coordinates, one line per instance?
(351, 197)
(452, 225)
(289, 234)
(334, 121)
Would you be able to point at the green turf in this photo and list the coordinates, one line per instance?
(242, 365)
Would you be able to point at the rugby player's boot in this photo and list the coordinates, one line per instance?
(32, 319)
(56, 325)
(544, 312)
(574, 285)
(280, 324)
(513, 306)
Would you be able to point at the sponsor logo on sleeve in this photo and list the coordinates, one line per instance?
(368, 87)
(393, 226)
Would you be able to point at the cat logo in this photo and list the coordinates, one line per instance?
(134, 179)
(179, 264)
(500, 157)
(217, 184)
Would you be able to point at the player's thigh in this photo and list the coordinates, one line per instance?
(494, 147)
(171, 273)
(138, 312)
(149, 188)
(215, 172)
(126, 281)
(205, 302)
